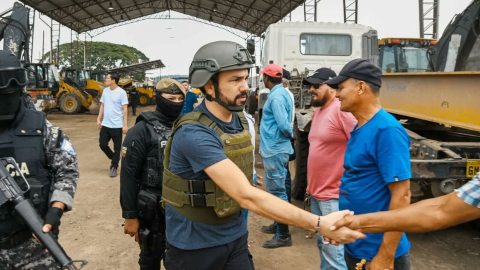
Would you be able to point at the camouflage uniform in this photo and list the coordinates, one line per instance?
(62, 162)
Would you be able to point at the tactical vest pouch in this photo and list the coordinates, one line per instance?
(153, 176)
(146, 206)
(39, 198)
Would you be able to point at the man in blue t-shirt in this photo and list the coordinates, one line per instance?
(377, 165)
(191, 101)
(200, 178)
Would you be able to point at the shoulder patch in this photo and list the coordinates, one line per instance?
(68, 147)
(124, 151)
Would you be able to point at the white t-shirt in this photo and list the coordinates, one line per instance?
(251, 129)
(113, 100)
(293, 107)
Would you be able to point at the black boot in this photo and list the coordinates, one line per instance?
(270, 229)
(281, 239)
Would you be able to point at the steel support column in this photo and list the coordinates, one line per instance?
(310, 10)
(428, 15)
(350, 11)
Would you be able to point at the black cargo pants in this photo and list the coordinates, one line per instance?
(232, 256)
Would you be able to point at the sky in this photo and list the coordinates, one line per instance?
(176, 41)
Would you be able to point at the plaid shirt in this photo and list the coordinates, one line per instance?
(470, 192)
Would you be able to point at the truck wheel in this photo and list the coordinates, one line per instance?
(143, 100)
(93, 93)
(70, 104)
(298, 167)
(252, 104)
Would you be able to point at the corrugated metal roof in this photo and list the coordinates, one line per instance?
(137, 68)
(251, 16)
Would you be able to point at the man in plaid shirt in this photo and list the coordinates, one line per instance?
(460, 206)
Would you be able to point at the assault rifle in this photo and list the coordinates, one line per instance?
(10, 191)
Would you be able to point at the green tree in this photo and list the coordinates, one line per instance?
(100, 56)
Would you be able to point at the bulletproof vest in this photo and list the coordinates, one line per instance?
(151, 177)
(24, 143)
(202, 200)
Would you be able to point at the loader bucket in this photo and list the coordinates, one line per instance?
(95, 106)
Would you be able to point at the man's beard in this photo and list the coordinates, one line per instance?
(318, 102)
(234, 102)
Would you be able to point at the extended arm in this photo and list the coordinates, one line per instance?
(424, 216)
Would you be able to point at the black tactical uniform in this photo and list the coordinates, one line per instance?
(134, 100)
(142, 169)
(46, 158)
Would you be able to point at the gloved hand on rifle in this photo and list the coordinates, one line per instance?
(52, 220)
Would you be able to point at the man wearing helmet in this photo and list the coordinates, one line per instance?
(142, 171)
(208, 172)
(48, 161)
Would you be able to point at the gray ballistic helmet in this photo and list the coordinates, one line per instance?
(216, 57)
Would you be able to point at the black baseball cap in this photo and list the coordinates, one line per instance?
(360, 69)
(286, 74)
(320, 76)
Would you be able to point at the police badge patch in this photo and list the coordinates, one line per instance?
(124, 151)
(174, 88)
(68, 147)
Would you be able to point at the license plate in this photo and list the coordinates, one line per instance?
(473, 167)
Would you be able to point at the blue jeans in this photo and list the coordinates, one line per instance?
(331, 257)
(275, 174)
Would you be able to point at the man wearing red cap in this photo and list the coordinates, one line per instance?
(275, 147)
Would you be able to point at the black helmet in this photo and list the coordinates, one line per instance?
(13, 78)
(216, 57)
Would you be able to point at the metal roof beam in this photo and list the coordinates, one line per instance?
(139, 10)
(123, 10)
(230, 18)
(90, 14)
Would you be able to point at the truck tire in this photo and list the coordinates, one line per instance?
(143, 100)
(92, 92)
(298, 167)
(70, 103)
(252, 104)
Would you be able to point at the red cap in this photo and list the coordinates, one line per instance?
(273, 70)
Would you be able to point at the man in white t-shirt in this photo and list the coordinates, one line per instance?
(112, 120)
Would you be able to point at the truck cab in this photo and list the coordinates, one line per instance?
(303, 47)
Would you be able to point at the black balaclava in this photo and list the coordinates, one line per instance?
(167, 110)
(9, 104)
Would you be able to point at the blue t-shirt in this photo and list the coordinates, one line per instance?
(194, 148)
(378, 153)
(190, 99)
(113, 100)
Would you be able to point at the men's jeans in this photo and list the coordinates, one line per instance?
(275, 174)
(331, 256)
(115, 134)
(401, 263)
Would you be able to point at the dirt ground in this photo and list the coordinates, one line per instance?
(93, 230)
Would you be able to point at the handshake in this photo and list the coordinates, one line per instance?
(341, 227)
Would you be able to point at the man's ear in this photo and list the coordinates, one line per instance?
(209, 88)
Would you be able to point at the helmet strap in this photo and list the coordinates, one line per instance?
(217, 99)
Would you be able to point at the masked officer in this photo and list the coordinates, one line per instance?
(208, 171)
(48, 161)
(142, 171)
(134, 100)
